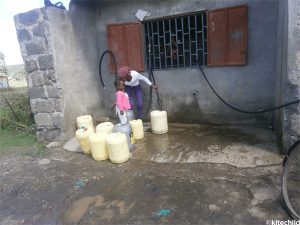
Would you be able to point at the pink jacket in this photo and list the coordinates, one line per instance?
(122, 100)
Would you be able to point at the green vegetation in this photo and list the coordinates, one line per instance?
(15, 107)
(12, 69)
(21, 142)
(17, 133)
(3, 68)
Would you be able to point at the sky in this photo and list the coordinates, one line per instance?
(9, 44)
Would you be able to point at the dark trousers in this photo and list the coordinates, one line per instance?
(135, 95)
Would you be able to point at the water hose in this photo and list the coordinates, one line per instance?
(152, 78)
(244, 111)
(100, 66)
(159, 103)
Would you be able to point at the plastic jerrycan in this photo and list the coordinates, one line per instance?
(105, 126)
(117, 147)
(137, 129)
(85, 121)
(82, 136)
(159, 122)
(98, 145)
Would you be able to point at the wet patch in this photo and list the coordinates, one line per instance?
(236, 146)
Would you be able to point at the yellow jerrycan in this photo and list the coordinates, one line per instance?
(159, 122)
(105, 126)
(117, 147)
(85, 121)
(98, 146)
(137, 129)
(82, 136)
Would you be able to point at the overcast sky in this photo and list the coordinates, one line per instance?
(9, 45)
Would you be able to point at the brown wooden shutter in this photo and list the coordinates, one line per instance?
(124, 40)
(237, 35)
(227, 36)
(217, 37)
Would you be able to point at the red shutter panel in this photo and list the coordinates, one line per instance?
(237, 35)
(124, 40)
(117, 44)
(217, 37)
(134, 46)
(227, 36)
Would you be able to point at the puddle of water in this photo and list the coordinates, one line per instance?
(79, 208)
(108, 214)
(237, 146)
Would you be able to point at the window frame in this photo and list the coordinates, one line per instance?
(193, 56)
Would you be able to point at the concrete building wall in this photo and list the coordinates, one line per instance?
(61, 51)
(185, 94)
(74, 39)
(281, 68)
(290, 81)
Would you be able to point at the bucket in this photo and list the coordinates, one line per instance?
(85, 121)
(159, 122)
(126, 129)
(137, 129)
(129, 115)
(98, 146)
(105, 126)
(117, 147)
(82, 136)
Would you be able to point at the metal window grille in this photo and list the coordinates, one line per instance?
(176, 42)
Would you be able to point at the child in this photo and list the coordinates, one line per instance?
(133, 87)
(123, 106)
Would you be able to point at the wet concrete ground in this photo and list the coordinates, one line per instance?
(192, 175)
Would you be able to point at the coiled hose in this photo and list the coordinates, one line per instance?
(100, 66)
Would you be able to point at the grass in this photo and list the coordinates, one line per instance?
(10, 138)
(18, 135)
(21, 142)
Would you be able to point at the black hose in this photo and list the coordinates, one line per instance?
(100, 65)
(157, 94)
(151, 76)
(150, 94)
(244, 111)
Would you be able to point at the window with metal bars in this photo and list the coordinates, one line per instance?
(176, 42)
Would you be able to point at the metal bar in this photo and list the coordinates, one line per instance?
(170, 42)
(196, 39)
(176, 41)
(158, 41)
(153, 49)
(148, 47)
(203, 53)
(165, 49)
(189, 25)
(183, 40)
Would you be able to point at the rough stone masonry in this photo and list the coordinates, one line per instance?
(44, 87)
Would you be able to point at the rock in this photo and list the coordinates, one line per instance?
(214, 208)
(53, 144)
(44, 161)
(72, 145)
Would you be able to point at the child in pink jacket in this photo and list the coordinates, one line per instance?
(123, 106)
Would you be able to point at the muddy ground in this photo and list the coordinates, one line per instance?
(193, 175)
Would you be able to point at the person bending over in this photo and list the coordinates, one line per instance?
(132, 78)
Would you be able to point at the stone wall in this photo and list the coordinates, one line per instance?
(44, 87)
(291, 82)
